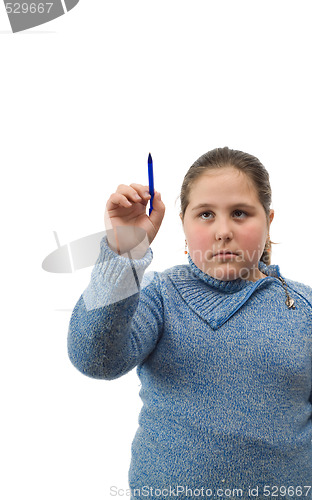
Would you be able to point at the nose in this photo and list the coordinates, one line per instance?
(224, 232)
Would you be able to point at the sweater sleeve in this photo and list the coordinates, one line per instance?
(117, 321)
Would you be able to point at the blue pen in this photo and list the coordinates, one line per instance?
(150, 181)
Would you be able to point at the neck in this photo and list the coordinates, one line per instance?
(254, 275)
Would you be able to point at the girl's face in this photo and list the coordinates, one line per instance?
(224, 214)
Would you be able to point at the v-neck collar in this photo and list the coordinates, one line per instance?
(212, 299)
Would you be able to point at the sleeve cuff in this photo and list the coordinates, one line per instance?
(115, 277)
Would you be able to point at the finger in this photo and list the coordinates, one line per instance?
(158, 211)
(118, 199)
(134, 192)
(143, 191)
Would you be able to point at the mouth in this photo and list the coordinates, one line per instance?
(225, 254)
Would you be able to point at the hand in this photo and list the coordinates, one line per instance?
(127, 224)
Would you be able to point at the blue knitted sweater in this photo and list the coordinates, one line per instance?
(225, 368)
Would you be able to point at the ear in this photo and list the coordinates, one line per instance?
(180, 214)
(271, 216)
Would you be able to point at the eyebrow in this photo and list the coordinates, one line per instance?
(241, 205)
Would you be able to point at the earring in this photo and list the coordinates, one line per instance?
(185, 250)
(268, 245)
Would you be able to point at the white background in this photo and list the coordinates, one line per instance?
(83, 100)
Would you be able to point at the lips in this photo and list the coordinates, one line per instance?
(222, 253)
(225, 255)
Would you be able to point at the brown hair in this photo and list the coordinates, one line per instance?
(244, 162)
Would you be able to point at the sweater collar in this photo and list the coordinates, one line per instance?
(216, 300)
(232, 286)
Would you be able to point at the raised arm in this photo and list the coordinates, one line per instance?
(117, 321)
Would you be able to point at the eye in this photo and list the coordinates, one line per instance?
(239, 214)
(203, 215)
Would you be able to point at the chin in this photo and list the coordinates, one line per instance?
(222, 273)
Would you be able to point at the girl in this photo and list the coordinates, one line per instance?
(223, 345)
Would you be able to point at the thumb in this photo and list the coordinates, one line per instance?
(158, 211)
